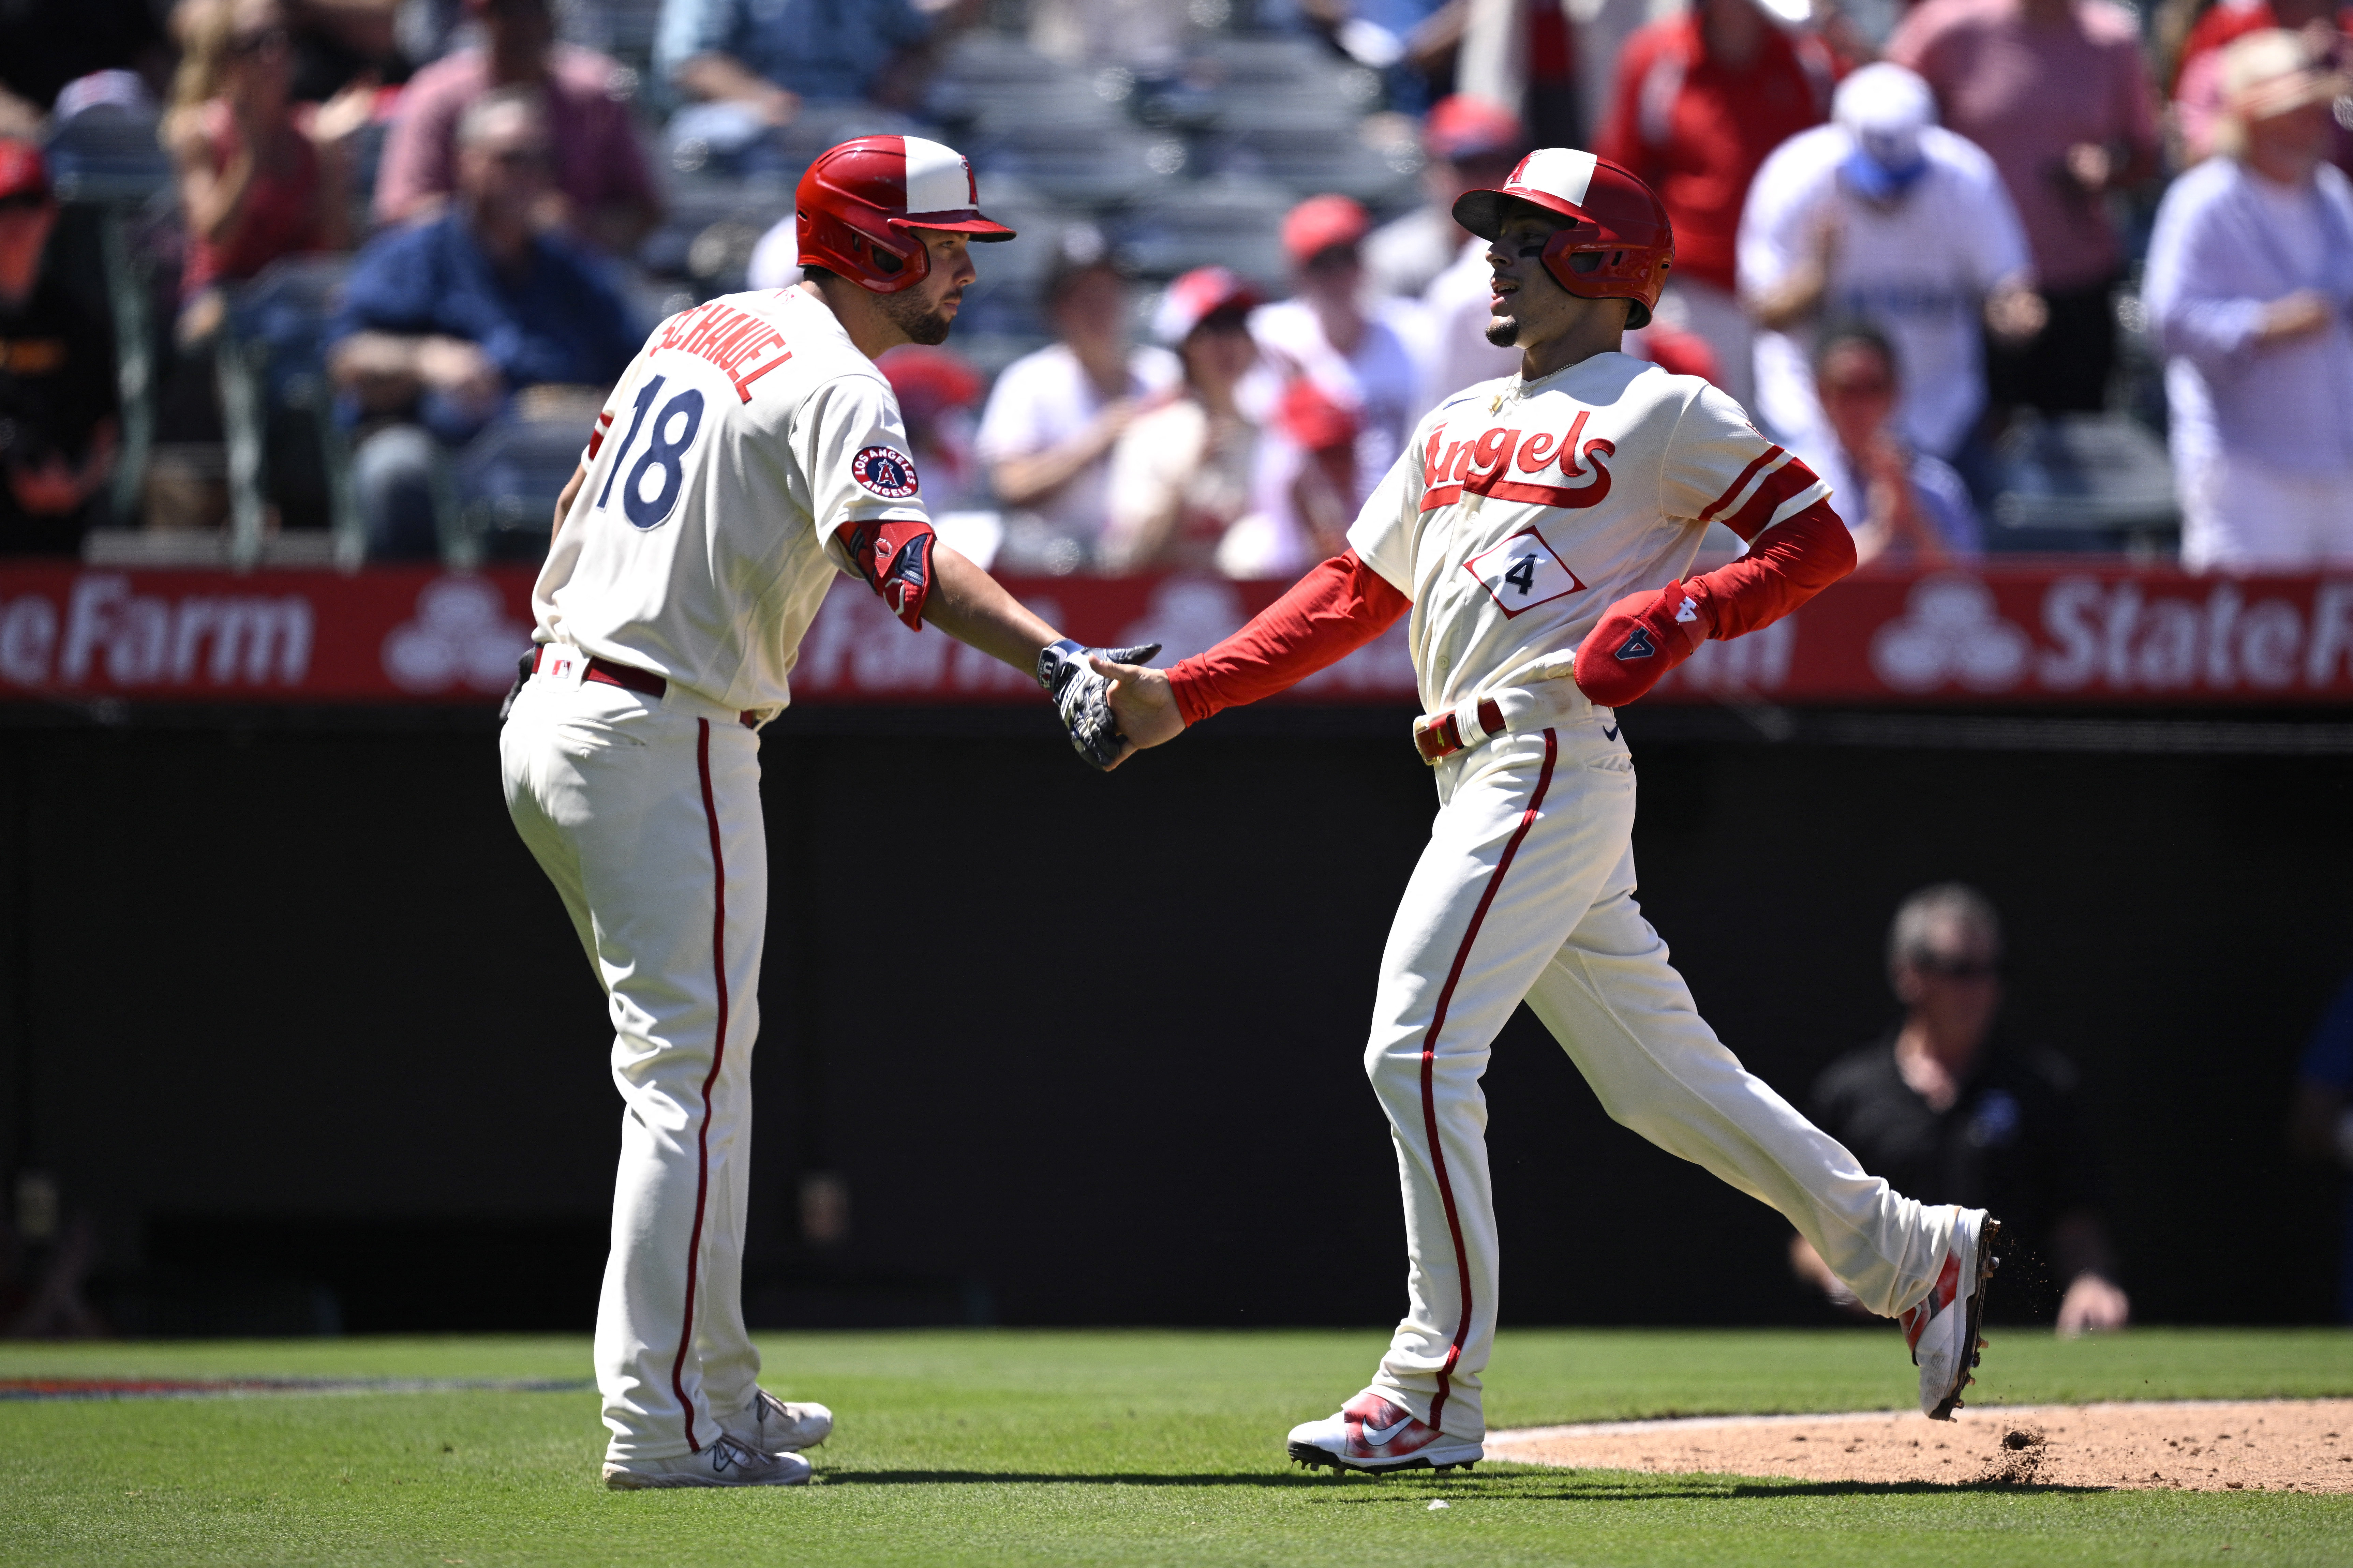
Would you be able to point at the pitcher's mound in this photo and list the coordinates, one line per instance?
(2301, 1445)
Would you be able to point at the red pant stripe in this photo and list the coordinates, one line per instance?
(1429, 1068)
(718, 1056)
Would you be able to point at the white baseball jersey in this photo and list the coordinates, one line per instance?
(1523, 509)
(746, 431)
(1919, 271)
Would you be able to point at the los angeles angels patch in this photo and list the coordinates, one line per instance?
(887, 473)
(1522, 573)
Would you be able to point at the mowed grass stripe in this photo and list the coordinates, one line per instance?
(1009, 1447)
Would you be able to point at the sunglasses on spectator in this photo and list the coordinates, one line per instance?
(1859, 387)
(269, 41)
(1954, 967)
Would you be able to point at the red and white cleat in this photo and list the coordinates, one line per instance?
(1942, 1330)
(1371, 1433)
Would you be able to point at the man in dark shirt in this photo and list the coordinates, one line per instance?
(442, 323)
(57, 424)
(1945, 1107)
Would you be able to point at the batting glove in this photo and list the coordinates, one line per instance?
(1079, 695)
(1639, 639)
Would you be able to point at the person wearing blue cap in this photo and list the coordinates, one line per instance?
(1883, 216)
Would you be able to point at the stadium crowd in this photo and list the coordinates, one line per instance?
(349, 270)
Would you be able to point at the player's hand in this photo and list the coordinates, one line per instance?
(1142, 702)
(1639, 639)
(1067, 672)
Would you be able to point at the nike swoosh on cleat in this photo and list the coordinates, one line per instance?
(1380, 1436)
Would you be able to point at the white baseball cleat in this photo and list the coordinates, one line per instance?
(1942, 1330)
(728, 1462)
(774, 1425)
(1371, 1433)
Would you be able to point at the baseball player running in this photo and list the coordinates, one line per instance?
(750, 451)
(1538, 530)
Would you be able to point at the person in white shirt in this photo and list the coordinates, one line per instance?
(1882, 215)
(1358, 352)
(2250, 289)
(750, 455)
(1047, 433)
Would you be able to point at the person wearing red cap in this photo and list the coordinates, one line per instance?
(1467, 143)
(1357, 352)
(1186, 483)
(603, 191)
(58, 419)
(1539, 531)
(751, 453)
(1700, 99)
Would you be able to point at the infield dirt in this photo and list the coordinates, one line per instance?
(2289, 1445)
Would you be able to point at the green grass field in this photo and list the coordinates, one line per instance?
(1004, 1446)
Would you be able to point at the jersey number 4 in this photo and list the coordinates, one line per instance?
(666, 445)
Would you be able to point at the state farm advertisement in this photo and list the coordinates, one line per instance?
(2049, 634)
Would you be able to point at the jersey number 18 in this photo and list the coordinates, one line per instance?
(666, 446)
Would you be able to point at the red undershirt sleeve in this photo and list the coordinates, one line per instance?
(1335, 609)
(1789, 563)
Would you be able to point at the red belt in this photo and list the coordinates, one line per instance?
(644, 682)
(1439, 735)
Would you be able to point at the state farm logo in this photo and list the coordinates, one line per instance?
(2121, 634)
(1950, 632)
(107, 633)
(460, 637)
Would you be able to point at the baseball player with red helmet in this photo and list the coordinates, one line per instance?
(1537, 530)
(750, 453)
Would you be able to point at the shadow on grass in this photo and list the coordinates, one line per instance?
(1536, 1486)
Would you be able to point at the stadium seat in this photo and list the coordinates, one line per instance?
(278, 410)
(2083, 481)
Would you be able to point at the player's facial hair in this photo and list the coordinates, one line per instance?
(921, 320)
(1502, 330)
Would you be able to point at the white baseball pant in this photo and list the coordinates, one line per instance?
(645, 813)
(1526, 891)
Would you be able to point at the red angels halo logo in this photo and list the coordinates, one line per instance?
(887, 473)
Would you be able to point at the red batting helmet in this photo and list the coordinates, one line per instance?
(859, 200)
(1617, 244)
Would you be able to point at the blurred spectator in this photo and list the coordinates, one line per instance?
(2219, 24)
(1902, 503)
(1883, 216)
(57, 424)
(2320, 1125)
(2198, 95)
(1522, 54)
(2250, 278)
(1358, 355)
(937, 391)
(1700, 99)
(603, 192)
(258, 177)
(1145, 35)
(762, 58)
(1471, 145)
(1047, 434)
(1186, 477)
(2058, 93)
(442, 322)
(339, 42)
(1949, 1112)
(45, 44)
